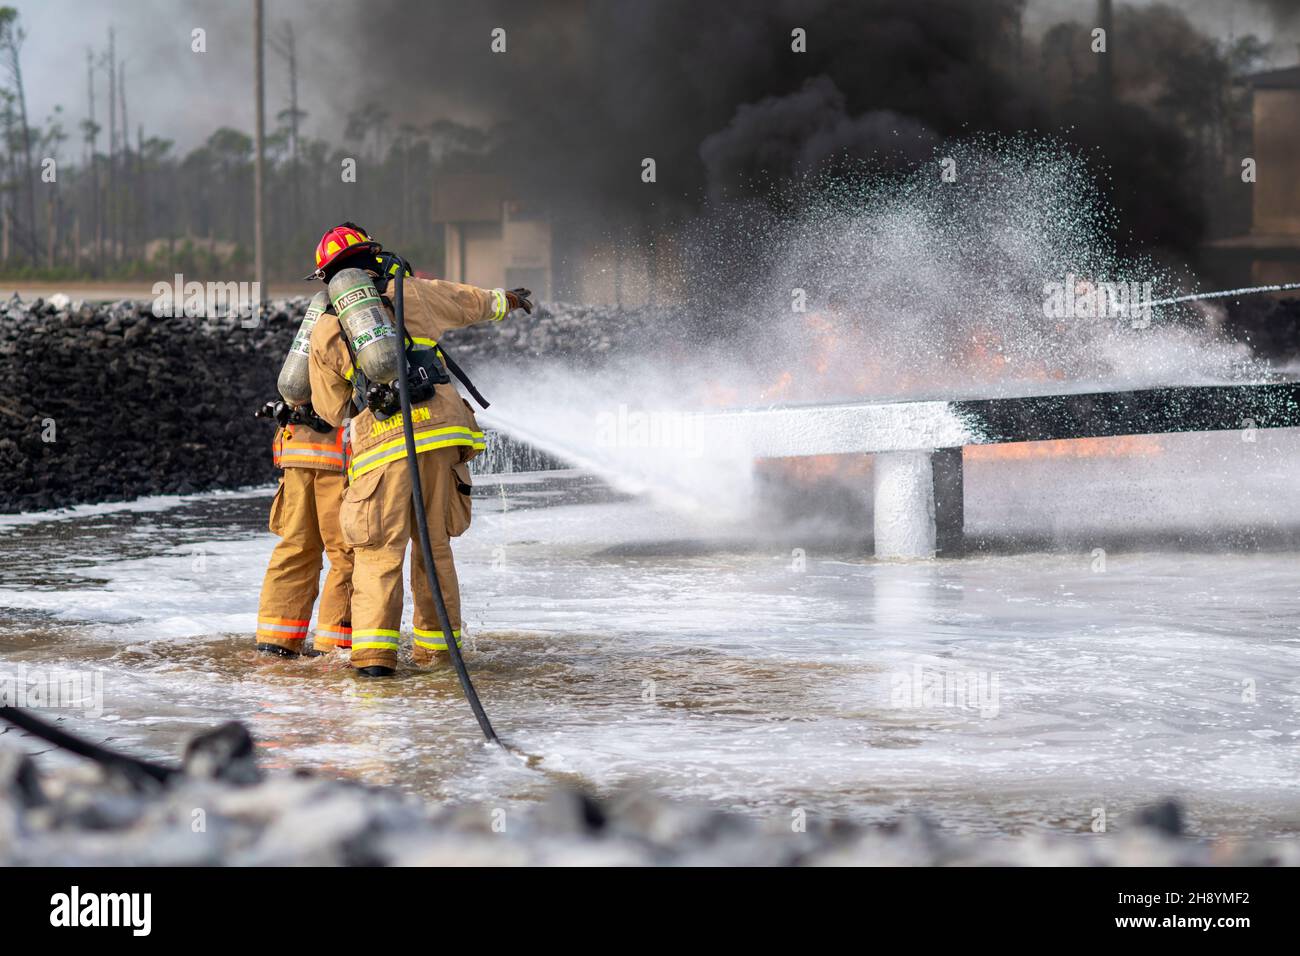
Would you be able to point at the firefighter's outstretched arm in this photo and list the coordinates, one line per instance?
(453, 305)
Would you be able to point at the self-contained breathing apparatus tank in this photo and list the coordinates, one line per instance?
(294, 382)
(375, 349)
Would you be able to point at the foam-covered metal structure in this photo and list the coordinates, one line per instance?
(918, 487)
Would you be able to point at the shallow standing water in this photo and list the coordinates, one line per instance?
(765, 668)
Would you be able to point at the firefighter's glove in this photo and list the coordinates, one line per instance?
(520, 299)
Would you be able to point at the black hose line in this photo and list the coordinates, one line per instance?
(422, 521)
(84, 748)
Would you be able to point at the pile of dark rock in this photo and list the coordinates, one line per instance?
(110, 402)
(585, 335)
(222, 810)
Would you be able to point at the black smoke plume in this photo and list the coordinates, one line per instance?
(715, 94)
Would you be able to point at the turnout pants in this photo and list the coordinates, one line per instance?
(378, 521)
(305, 514)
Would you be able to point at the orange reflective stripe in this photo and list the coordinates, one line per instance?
(325, 464)
(335, 445)
(318, 447)
(281, 628)
(333, 455)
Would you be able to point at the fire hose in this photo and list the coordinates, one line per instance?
(422, 523)
(133, 766)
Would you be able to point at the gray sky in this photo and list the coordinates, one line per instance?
(172, 91)
(184, 96)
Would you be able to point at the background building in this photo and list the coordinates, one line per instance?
(492, 237)
(1269, 252)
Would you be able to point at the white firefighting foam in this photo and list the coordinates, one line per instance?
(876, 288)
(620, 645)
(917, 287)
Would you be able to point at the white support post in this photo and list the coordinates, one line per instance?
(904, 504)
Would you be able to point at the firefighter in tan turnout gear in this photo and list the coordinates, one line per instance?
(376, 516)
(305, 514)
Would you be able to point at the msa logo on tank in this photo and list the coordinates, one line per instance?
(363, 319)
(353, 296)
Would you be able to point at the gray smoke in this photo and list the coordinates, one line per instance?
(586, 91)
(715, 94)
(802, 132)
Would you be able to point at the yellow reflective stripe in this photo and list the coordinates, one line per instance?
(355, 472)
(364, 645)
(350, 374)
(441, 642)
(395, 449)
(499, 305)
(421, 436)
(430, 343)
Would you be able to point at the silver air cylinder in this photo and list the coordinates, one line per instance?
(294, 383)
(365, 320)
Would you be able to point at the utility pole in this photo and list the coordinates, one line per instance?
(124, 217)
(286, 45)
(259, 273)
(92, 134)
(111, 204)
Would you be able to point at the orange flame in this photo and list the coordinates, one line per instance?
(1120, 446)
(834, 353)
